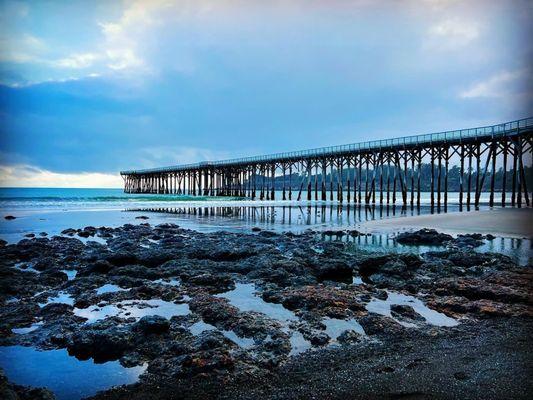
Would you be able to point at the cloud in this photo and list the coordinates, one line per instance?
(452, 33)
(22, 49)
(29, 176)
(78, 61)
(503, 84)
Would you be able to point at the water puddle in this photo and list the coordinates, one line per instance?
(168, 282)
(61, 298)
(245, 343)
(67, 377)
(432, 317)
(71, 273)
(298, 343)
(28, 329)
(109, 288)
(356, 280)
(517, 249)
(243, 297)
(24, 267)
(335, 327)
(133, 309)
(199, 327)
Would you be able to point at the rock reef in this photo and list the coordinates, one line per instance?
(231, 306)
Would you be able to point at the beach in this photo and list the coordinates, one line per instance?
(152, 310)
(504, 222)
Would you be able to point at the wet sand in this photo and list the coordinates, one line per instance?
(503, 222)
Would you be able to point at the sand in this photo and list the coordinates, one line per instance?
(502, 222)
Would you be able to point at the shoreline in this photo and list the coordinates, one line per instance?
(501, 222)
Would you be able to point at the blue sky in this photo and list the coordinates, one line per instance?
(90, 88)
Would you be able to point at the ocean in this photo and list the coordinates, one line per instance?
(53, 210)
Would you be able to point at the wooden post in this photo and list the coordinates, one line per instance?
(290, 181)
(283, 168)
(309, 180)
(446, 165)
(323, 183)
(515, 163)
(316, 180)
(331, 182)
(478, 173)
(439, 172)
(432, 177)
(388, 179)
(504, 176)
(273, 188)
(518, 147)
(492, 175)
(523, 178)
(461, 176)
(468, 195)
(366, 181)
(419, 173)
(412, 179)
(348, 180)
(381, 181)
(355, 179)
(360, 177)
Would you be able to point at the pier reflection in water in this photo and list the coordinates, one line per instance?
(297, 218)
(287, 217)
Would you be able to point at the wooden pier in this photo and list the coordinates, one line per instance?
(377, 172)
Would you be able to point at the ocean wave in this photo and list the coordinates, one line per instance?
(102, 199)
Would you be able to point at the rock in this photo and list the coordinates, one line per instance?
(380, 268)
(121, 258)
(319, 339)
(334, 270)
(98, 267)
(268, 234)
(490, 237)
(349, 337)
(142, 217)
(460, 375)
(43, 234)
(375, 324)
(429, 237)
(10, 217)
(30, 235)
(153, 324)
(69, 232)
(256, 229)
(84, 234)
(100, 344)
(405, 311)
(2, 243)
(469, 240)
(221, 283)
(337, 234)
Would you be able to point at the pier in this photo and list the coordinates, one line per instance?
(384, 172)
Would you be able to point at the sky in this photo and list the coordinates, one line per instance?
(89, 88)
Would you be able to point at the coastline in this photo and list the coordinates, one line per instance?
(501, 222)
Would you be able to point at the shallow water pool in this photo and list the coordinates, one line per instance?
(67, 377)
